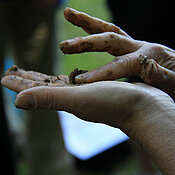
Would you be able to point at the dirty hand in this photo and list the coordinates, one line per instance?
(18, 79)
(100, 101)
(109, 102)
(154, 63)
(141, 111)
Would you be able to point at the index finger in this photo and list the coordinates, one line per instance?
(91, 24)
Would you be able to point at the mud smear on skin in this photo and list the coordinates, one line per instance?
(39, 77)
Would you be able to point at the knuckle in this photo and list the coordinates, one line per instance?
(86, 45)
(111, 35)
(157, 49)
(126, 62)
(108, 73)
(45, 99)
(47, 103)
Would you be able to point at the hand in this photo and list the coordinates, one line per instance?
(140, 110)
(144, 113)
(109, 102)
(154, 63)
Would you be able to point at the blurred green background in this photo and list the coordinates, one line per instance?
(86, 61)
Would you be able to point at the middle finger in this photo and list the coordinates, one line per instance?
(110, 42)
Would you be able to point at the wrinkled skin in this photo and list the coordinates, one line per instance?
(143, 112)
(157, 70)
(18, 79)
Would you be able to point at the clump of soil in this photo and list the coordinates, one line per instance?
(47, 80)
(74, 73)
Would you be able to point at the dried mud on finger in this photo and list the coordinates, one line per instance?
(44, 79)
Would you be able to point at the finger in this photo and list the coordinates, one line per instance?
(18, 84)
(76, 100)
(104, 42)
(32, 75)
(91, 24)
(121, 67)
(43, 98)
(70, 99)
(154, 74)
(15, 70)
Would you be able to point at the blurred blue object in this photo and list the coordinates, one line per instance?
(14, 115)
(7, 64)
(86, 139)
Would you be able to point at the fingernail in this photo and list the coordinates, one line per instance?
(25, 102)
(81, 78)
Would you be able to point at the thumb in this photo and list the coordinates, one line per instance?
(55, 98)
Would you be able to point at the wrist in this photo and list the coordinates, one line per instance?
(153, 128)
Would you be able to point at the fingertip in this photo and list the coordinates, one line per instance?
(79, 78)
(68, 46)
(82, 78)
(25, 101)
(66, 10)
(3, 81)
(61, 46)
(69, 13)
(9, 82)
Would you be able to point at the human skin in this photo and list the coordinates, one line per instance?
(144, 113)
(157, 69)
